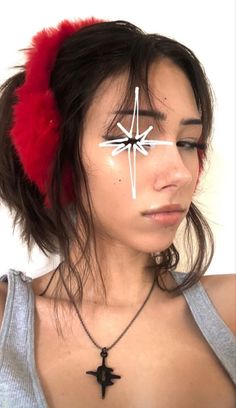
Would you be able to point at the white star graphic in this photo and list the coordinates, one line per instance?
(135, 144)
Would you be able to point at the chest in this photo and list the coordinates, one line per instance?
(163, 362)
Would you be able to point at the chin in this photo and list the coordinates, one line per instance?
(149, 246)
(158, 243)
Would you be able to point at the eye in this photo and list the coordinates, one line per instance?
(120, 139)
(190, 145)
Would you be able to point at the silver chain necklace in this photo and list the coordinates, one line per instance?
(104, 373)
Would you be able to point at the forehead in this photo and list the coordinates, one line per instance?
(170, 91)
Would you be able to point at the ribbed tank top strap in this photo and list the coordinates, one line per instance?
(16, 325)
(220, 338)
(17, 359)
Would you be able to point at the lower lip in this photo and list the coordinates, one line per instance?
(166, 218)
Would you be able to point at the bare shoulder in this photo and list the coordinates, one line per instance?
(3, 296)
(221, 289)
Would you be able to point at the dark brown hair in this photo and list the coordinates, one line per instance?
(84, 61)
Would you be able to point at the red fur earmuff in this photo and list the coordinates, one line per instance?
(36, 120)
(35, 132)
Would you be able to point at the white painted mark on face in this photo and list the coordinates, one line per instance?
(133, 144)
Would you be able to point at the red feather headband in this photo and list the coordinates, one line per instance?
(36, 120)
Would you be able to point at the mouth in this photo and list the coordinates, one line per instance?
(165, 215)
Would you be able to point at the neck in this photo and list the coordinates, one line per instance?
(127, 275)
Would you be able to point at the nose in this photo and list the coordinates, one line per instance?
(170, 170)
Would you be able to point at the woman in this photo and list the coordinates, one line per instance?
(104, 135)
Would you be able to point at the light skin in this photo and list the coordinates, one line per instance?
(125, 240)
(168, 175)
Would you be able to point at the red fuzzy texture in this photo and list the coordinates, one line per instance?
(36, 120)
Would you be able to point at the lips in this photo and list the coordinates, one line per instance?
(168, 215)
(165, 209)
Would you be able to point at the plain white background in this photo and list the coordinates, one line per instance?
(206, 27)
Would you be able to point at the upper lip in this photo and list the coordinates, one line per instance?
(165, 208)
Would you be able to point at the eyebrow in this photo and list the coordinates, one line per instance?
(160, 116)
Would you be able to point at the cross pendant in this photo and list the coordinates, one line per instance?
(104, 374)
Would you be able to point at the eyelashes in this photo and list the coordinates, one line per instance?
(185, 144)
(188, 145)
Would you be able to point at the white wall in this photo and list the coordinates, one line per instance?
(205, 26)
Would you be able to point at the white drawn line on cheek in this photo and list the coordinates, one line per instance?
(141, 141)
(132, 170)
(157, 142)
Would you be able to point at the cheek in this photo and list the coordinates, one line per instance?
(191, 162)
(195, 178)
(110, 191)
(200, 168)
(108, 178)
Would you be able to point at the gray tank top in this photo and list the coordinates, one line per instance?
(19, 382)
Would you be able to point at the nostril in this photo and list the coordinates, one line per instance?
(172, 177)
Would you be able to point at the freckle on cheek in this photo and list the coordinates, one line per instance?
(115, 181)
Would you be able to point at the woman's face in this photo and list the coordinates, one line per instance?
(166, 175)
